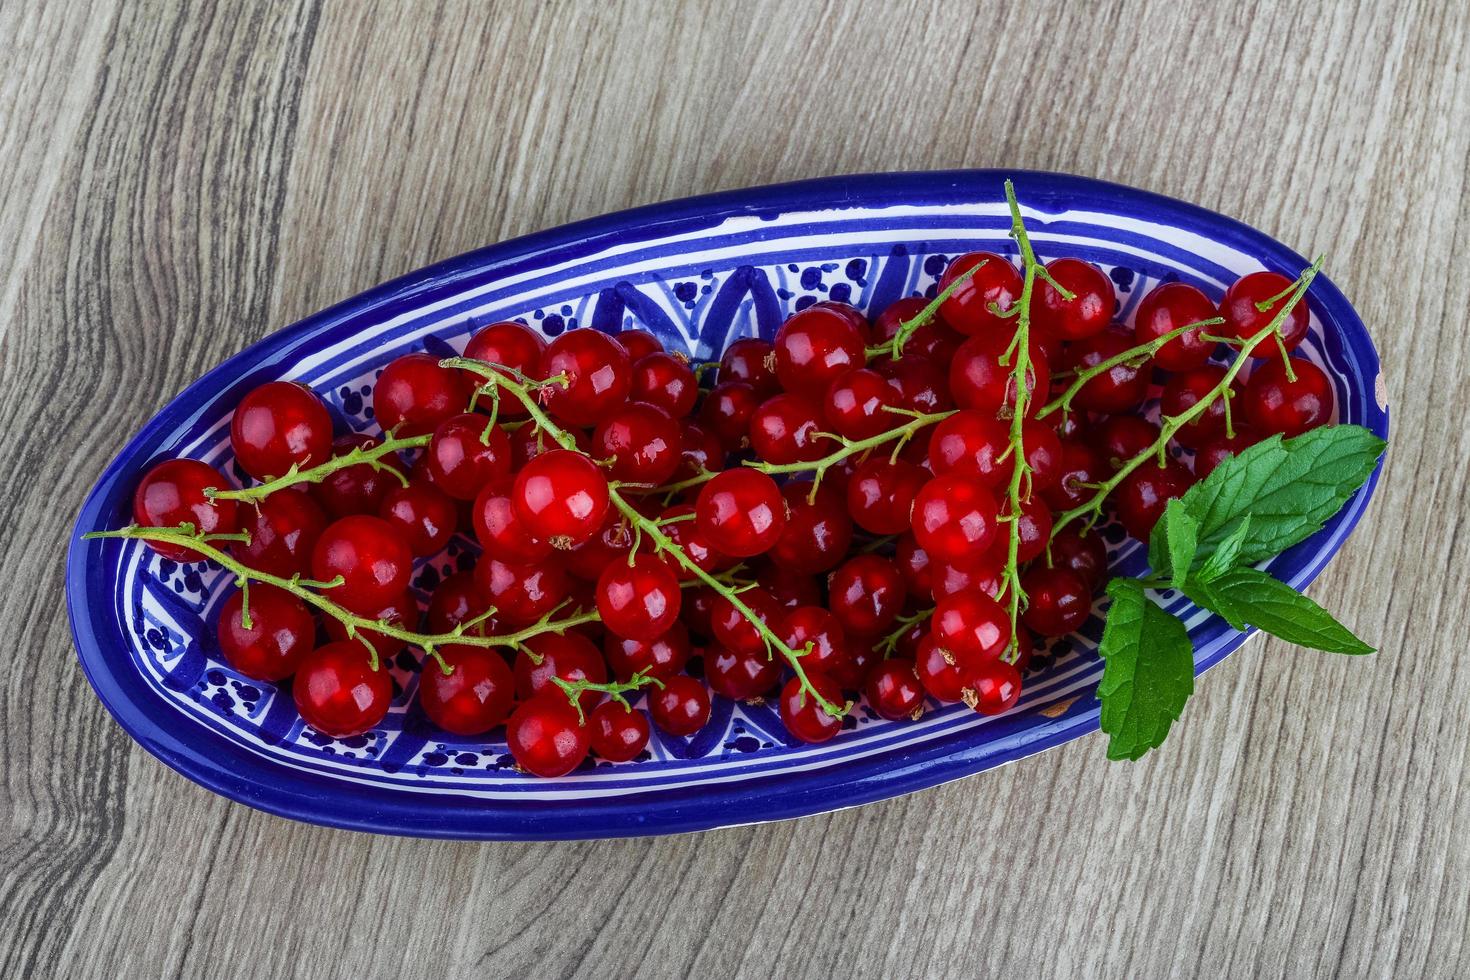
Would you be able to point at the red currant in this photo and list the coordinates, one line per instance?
(815, 346)
(934, 339)
(996, 687)
(172, 493)
(523, 593)
(740, 675)
(972, 626)
(849, 312)
(510, 344)
(752, 361)
(401, 611)
(666, 381)
(1057, 601)
(337, 691)
(1244, 318)
(741, 512)
(529, 441)
(818, 529)
(639, 343)
(857, 404)
(597, 376)
(283, 530)
(790, 588)
(562, 496)
(785, 429)
(360, 488)
(803, 715)
(546, 736)
(880, 495)
(1122, 437)
(458, 600)
(983, 575)
(1183, 391)
(638, 601)
(687, 536)
(1221, 448)
(617, 732)
(280, 633)
(1081, 552)
(817, 626)
(1119, 389)
(1275, 403)
(996, 284)
(1142, 496)
(423, 515)
(700, 451)
(369, 555)
(1089, 311)
(955, 518)
(474, 697)
(893, 690)
(1033, 531)
(916, 566)
(681, 707)
(982, 376)
(1082, 467)
(643, 441)
(501, 531)
(662, 657)
(569, 656)
(465, 456)
(414, 394)
(1170, 306)
(921, 385)
(866, 594)
(279, 425)
(727, 412)
(938, 671)
(730, 627)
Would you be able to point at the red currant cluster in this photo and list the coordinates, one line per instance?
(635, 536)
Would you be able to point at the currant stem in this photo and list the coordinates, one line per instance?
(1172, 424)
(316, 474)
(1063, 401)
(613, 689)
(894, 347)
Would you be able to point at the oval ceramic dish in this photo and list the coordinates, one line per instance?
(697, 273)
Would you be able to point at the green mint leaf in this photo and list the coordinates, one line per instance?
(1288, 487)
(1181, 534)
(1148, 671)
(1249, 596)
(1227, 555)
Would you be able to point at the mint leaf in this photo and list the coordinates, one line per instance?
(1171, 545)
(1148, 671)
(1227, 555)
(1288, 487)
(1248, 596)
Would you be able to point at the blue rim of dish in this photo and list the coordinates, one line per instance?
(213, 761)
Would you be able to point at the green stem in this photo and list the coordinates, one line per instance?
(613, 689)
(371, 456)
(1063, 401)
(894, 347)
(1172, 424)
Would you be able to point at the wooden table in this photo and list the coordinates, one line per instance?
(175, 184)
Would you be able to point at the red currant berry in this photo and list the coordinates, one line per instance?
(917, 567)
(741, 512)
(972, 626)
(982, 376)
(934, 339)
(280, 633)
(513, 345)
(857, 404)
(815, 346)
(740, 675)
(851, 313)
(414, 394)
(996, 283)
(921, 385)
(523, 593)
(818, 627)
(1168, 307)
(562, 497)
(727, 412)
(1119, 389)
(569, 656)
(1081, 552)
(1120, 438)
(401, 611)
(1089, 311)
(1057, 601)
(369, 555)
(1033, 532)
(360, 488)
(1221, 448)
(893, 690)
(458, 600)
(1082, 467)
(983, 575)
(1043, 454)
(638, 601)
(866, 594)
(1275, 403)
(971, 444)
(938, 671)
(501, 531)
(617, 732)
(423, 515)
(172, 493)
(785, 429)
(818, 530)
(804, 716)
(665, 381)
(639, 343)
(597, 376)
(996, 687)
(465, 456)
(880, 494)
(787, 586)
(1244, 318)
(687, 536)
(730, 626)
(643, 442)
(955, 518)
(474, 697)
(1183, 391)
(546, 736)
(681, 707)
(337, 691)
(279, 425)
(1142, 496)
(701, 451)
(662, 657)
(752, 361)
(283, 529)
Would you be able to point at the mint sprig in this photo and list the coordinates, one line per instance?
(1252, 507)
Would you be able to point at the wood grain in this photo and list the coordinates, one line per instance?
(176, 181)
